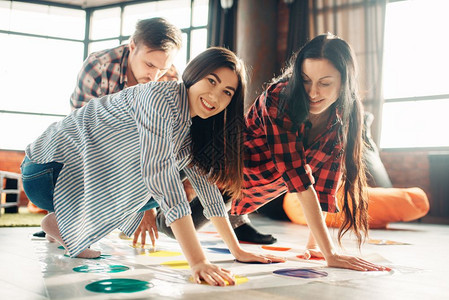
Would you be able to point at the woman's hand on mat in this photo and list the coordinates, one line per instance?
(245, 256)
(148, 224)
(312, 252)
(353, 263)
(212, 274)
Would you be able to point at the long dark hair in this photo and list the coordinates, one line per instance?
(294, 101)
(218, 141)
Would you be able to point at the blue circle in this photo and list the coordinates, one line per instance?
(301, 273)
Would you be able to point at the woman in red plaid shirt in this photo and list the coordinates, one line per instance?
(303, 136)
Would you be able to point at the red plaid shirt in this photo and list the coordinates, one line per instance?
(104, 73)
(277, 161)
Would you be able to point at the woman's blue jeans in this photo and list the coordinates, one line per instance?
(39, 182)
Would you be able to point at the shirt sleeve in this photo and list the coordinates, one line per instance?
(286, 146)
(158, 160)
(208, 193)
(88, 83)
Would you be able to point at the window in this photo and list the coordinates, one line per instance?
(189, 15)
(38, 68)
(415, 80)
(47, 46)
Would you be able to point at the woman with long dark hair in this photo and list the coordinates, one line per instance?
(303, 136)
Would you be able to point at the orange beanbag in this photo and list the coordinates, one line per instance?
(34, 209)
(386, 205)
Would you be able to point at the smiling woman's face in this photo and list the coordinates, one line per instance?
(322, 82)
(212, 94)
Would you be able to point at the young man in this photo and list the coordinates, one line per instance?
(148, 57)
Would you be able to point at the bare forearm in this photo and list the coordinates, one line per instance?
(320, 234)
(185, 234)
(227, 233)
(311, 243)
(312, 211)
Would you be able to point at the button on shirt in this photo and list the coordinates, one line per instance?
(277, 161)
(119, 151)
(104, 73)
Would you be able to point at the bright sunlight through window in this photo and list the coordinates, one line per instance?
(39, 67)
(415, 80)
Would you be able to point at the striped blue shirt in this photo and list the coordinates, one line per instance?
(119, 151)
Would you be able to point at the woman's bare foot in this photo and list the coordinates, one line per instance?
(50, 226)
(89, 253)
(49, 238)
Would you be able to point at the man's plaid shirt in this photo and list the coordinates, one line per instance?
(277, 161)
(104, 73)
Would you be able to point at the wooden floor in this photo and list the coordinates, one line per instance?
(421, 267)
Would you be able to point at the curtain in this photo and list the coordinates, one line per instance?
(361, 24)
(221, 28)
(298, 26)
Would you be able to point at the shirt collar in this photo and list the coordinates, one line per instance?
(334, 119)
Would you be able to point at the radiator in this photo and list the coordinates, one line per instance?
(439, 184)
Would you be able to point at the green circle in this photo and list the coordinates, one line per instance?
(118, 285)
(102, 256)
(100, 268)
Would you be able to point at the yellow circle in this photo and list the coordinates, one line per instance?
(240, 279)
(123, 236)
(176, 264)
(163, 253)
(139, 246)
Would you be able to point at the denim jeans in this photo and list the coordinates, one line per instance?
(39, 182)
(149, 205)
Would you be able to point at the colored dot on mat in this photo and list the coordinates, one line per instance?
(238, 280)
(385, 242)
(208, 232)
(301, 273)
(163, 253)
(273, 248)
(256, 262)
(97, 268)
(102, 256)
(123, 236)
(139, 246)
(118, 285)
(220, 250)
(176, 264)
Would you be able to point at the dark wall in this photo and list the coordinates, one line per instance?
(261, 40)
(10, 161)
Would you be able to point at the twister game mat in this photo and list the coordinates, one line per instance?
(127, 272)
